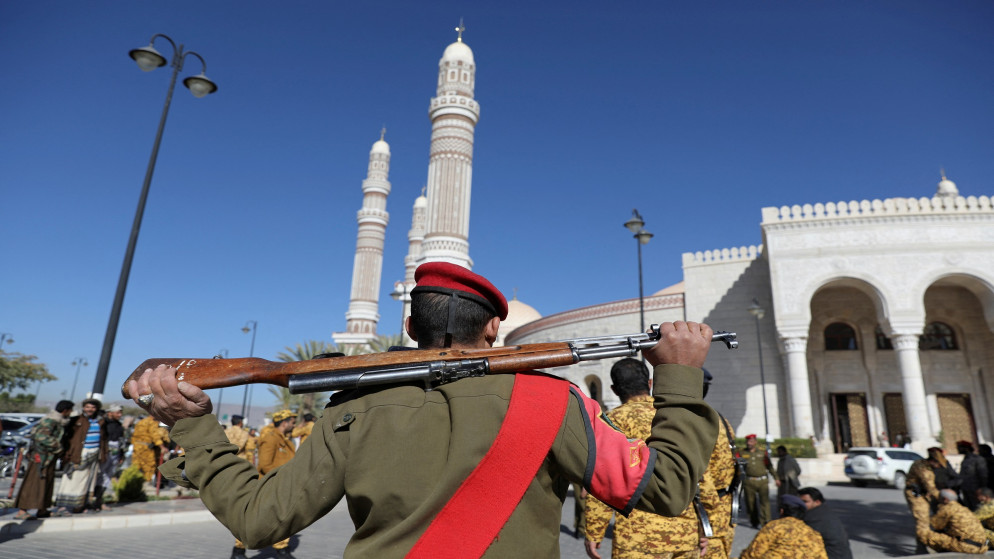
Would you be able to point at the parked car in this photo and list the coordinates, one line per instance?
(890, 465)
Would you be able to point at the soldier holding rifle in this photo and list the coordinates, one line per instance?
(478, 466)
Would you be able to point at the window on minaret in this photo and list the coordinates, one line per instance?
(839, 336)
(883, 342)
(938, 335)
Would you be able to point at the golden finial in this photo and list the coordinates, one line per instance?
(383, 132)
(460, 29)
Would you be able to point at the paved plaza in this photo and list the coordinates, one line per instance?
(876, 518)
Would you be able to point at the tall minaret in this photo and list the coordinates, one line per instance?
(362, 316)
(402, 289)
(453, 114)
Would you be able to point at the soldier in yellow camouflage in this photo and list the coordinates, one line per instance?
(642, 535)
(716, 493)
(303, 430)
(920, 491)
(149, 442)
(985, 510)
(238, 435)
(953, 528)
(787, 537)
(756, 485)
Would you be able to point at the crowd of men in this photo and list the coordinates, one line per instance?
(413, 461)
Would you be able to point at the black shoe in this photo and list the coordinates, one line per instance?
(284, 553)
(238, 553)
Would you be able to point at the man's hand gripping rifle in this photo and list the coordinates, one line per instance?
(429, 366)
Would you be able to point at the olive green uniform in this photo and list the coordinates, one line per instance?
(398, 455)
(786, 538)
(954, 528)
(642, 535)
(756, 485)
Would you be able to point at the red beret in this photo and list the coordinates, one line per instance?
(750, 437)
(442, 277)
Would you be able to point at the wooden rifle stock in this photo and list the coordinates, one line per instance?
(431, 366)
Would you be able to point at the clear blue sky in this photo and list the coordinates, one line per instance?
(698, 114)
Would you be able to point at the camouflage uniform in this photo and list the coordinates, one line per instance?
(147, 439)
(954, 528)
(642, 535)
(715, 497)
(302, 432)
(756, 485)
(985, 513)
(786, 538)
(239, 436)
(39, 482)
(920, 492)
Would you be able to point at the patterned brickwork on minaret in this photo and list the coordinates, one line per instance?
(454, 114)
(363, 313)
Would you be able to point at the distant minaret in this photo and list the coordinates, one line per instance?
(362, 316)
(454, 114)
(402, 289)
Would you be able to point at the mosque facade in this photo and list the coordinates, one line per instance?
(860, 323)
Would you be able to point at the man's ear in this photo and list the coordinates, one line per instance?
(490, 332)
(410, 329)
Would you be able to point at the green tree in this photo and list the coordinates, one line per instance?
(18, 371)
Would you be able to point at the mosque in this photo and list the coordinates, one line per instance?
(861, 323)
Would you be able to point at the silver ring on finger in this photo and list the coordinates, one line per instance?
(146, 399)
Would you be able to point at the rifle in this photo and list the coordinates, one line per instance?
(430, 366)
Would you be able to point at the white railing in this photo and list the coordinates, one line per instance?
(888, 207)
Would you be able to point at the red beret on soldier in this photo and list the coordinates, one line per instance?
(450, 279)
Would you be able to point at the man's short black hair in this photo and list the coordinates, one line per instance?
(236, 419)
(781, 447)
(630, 377)
(308, 417)
(812, 492)
(430, 315)
(64, 405)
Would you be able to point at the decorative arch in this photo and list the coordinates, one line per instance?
(861, 282)
(595, 388)
(970, 280)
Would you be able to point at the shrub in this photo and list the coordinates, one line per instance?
(130, 487)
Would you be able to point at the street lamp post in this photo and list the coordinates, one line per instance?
(148, 59)
(246, 400)
(759, 312)
(79, 362)
(5, 337)
(641, 237)
(220, 392)
(402, 294)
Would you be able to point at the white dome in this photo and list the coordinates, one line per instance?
(380, 147)
(518, 314)
(458, 51)
(947, 188)
(421, 202)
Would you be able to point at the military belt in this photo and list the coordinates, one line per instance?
(971, 542)
(756, 477)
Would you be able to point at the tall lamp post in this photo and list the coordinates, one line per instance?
(759, 312)
(220, 392)
(245, 397)
(148, 59)
(641, 237)
(79, 362)
(402, 294)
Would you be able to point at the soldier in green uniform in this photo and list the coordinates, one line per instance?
(642, 535)
(787, 537)
(756, 485)
(954, 528)
(398, 454)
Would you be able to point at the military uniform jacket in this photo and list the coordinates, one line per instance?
(715, 494)
(757, 463)
(274, 450)
(398, 454)
(148, 434)
(46, 438)
(955, 520)
(921, 479)
(786, 538)
(642, 532)
(239, 436)
(303, 431)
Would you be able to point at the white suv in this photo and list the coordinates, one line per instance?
(867, 463)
